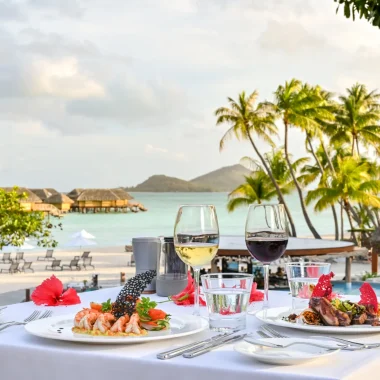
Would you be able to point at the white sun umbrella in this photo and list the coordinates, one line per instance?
(15, 248)
(80, 242)
(82, 234)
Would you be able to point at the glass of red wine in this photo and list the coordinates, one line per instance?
(266, 236)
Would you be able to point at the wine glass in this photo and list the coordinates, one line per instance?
(196, 239)
(266, 236)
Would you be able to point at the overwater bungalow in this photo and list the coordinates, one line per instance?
(103, 200)
(43, 194)
(28, 203)
(60, 201)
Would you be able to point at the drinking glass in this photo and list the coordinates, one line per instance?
(196, 239)
(266, 236)
(302, 278)
(227, 296)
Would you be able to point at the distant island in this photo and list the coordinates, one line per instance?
(224, 179)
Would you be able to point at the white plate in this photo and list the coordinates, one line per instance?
(274, 317)
(59, 328)
(296, 354)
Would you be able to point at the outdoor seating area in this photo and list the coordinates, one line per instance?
(12, 263)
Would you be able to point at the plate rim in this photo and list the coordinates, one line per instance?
(89, 339)
(322, 329)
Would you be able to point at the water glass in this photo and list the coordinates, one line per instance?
(302, 278)
(227, 299)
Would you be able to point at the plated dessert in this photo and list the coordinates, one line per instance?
(129, 315)
(326, 310)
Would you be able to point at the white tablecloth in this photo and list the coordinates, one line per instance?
(26, 357)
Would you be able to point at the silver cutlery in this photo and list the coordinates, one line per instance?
(349, 342)
(278, 345)
(33, 317)
(194, 353)
(181, 350)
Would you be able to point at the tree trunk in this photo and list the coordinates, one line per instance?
(347, 208)
(357, 145)
(336, 226)
(341, 221)
(353, 146)
(299, 190)
(331, 166)
(275, 184)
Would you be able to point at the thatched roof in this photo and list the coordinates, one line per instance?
(52, 191)
(32, 198)
(74, 194)
(122, 194)
(97, 195)
(59, 198)
(43, 194)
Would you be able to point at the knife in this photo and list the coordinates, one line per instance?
(180, 350)
(203, 350)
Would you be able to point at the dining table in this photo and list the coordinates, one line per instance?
(27, 357)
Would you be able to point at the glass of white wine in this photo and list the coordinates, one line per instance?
(196, 239)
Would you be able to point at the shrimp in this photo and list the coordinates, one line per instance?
(120, 324)
(87, 322)
(133, 324)
(78, 316)
(103, 323)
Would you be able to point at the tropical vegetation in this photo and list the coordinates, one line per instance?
(18, 224)
(342, 141)
(369, 9)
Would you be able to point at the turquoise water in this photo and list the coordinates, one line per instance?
(118, 228)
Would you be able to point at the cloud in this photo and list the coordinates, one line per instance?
(69, 8)
(10, 11)
(291, 38)
(152, 149)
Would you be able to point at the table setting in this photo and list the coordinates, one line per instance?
(217, 326)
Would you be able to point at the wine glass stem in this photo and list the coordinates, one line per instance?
(266, 286)
(196, 291)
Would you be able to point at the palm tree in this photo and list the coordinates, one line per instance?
(300, 107)
(321, 171)
(249, 122)
(352, 183)
(256, 189)
(357, 119)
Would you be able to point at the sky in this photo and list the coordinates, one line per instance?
(97, 93)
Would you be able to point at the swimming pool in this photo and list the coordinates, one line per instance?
(353, 288)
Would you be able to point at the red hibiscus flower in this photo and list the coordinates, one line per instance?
(256, 295)
(187, 296)
(50, 293)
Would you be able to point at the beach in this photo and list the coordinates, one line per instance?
(109, 262)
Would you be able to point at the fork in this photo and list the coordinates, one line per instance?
(351, 346)
(31, 317)
(46, 314)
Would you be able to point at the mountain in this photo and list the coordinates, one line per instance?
(222, 180)
(165, 184)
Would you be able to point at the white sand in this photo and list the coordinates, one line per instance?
(108, 262)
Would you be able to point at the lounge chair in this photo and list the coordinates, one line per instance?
(13, 268)
(20, 257)
(73, 264)
(85, 255)
(48, 256)
(6, 258)
(55, 265)
(132, 262)
(88, 263)
(27, 266)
